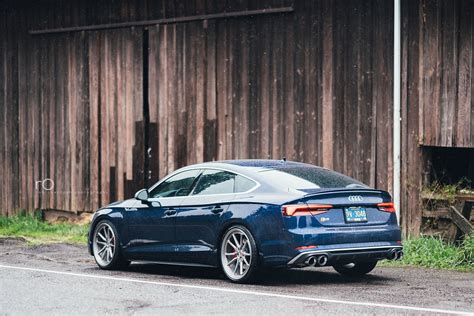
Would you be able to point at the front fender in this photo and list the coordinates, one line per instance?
(112, 214)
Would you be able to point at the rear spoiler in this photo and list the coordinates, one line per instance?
(344, 190)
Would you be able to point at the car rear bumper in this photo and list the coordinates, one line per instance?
(346, 255)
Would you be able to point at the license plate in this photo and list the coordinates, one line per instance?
(355, 214)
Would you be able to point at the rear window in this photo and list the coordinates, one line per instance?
(309, 178)
(215, 182)
(222, 182)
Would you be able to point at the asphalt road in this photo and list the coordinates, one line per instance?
(63, 279)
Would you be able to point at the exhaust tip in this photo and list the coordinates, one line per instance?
(311, 261)
(400, 255)
(322, 260)
(392, 255)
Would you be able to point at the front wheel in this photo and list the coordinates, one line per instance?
(355, 268)
(105, 247)
(239, 254)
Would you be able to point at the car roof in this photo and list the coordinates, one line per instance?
(263, 163)
(248, 167)
(253, 168)
(254, 163)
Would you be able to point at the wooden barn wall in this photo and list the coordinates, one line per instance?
(104, 113)
(446, 45)
(437, 89)
(72, 111)
(277, 86)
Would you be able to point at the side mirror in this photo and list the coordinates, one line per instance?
(142, 195)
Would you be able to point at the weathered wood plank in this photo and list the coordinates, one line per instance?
(449, 54)
(163, 97)
(328, 88)
(230, 36)
(181, 92)
(73, 123)
(464, 123)
(104, 113)
(23, 110)
(241, 131)
(210, 132)
(253, 102)
(122, 119)
(153, 101)
(94, 119)
(438, 213)
(199, 104)
(298, 89)
(137, 104)
(461, 222)
(190, 74)
(3, 110)
(221, 85)
(265, 87)
(288, 89)
(338, 98)
(278, 123)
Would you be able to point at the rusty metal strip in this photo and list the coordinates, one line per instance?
(225, 15)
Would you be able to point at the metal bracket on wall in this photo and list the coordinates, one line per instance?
(193, 18)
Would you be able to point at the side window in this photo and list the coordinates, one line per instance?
(215, 182)
(177, 185)
(243, 184)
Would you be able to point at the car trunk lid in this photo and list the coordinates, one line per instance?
(347, 207)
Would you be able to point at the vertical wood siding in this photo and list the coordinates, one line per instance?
(437, 103)
(447, 64)
(105, 113)
(270, 88)
(72, 113)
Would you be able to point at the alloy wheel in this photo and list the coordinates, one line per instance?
(236, 254)
(104, 244)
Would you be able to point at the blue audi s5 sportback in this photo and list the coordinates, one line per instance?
(241, 215)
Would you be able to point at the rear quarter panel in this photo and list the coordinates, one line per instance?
(266, 225)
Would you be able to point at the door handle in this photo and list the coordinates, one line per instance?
(217, 209)
(170, 212)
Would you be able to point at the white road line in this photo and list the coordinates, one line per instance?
(245, 292)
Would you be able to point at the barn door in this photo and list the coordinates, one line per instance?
(182, 95)
(117, 123)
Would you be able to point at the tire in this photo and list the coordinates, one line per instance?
(356, 268)
(106, 247)
(239, 257)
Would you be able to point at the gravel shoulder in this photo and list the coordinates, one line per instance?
(20, 289)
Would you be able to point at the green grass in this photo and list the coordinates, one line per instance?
(432, 252)
(36, 231)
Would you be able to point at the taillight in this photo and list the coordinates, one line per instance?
(305, 209)
(386, 207)
(306, 247)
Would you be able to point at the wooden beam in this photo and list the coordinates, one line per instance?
(438, 213)
(461, 221)
(466, 213)
(224, 15)
(436, 196)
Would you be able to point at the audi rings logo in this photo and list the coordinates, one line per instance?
(355, 198)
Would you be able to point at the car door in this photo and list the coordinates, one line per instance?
(152, 227)
(200, 215)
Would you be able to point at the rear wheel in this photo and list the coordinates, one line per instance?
(355, 268)
(105, 247)
(239, 254)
